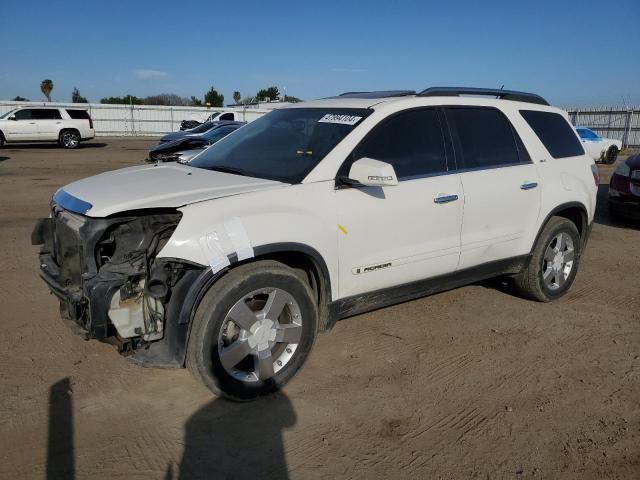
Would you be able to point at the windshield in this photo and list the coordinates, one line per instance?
(201, 128)
(587, 134)
(283, 145)
(5, 115)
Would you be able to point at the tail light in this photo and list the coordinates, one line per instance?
(90, 121)
(596, 174)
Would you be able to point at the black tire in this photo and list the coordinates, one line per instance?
(611, 155)
(69, 139)
(531, 283)
(1, 140)
(203, 357)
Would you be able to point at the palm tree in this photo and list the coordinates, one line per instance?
(237, 97)
(46, 87)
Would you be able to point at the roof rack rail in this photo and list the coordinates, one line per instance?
(378, 94)
(501, 94)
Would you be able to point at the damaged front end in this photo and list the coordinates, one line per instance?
(105, 273)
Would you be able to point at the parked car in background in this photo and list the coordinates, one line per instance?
(603, 150)
(232, 265)
(184, 149)
(624, 189)
(67, 126)
(200, 130)
(214, 117)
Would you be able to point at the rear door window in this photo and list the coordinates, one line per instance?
(46, 114)
(484, 138)
(413, 142)
(554, 132)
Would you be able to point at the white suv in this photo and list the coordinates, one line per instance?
(67, 126)
(316, 212)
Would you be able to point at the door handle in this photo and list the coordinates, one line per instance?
(58, 123)
(32, 123)
(445, 198)
(528, 185)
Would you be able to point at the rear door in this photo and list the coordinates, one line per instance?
(500, 182)
(389, 236)
(23, 128)
(49, 123)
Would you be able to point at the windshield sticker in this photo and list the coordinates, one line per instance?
(340, 119)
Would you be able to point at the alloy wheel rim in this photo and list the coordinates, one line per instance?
(558, 261)
(260, 334)
(69, 140)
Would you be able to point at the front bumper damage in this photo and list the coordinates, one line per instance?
(109, 283)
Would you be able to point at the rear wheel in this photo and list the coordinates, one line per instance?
(1, 140)
(69, 139)
(611, 155)
(554, 263)
(252, 331)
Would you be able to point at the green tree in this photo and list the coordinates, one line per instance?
(288, 98)
(195, 102)
(77, 98)
(46, 87)
(237, 97)
(272, 93)
(213, 99)
(126, 100)
(21, 99)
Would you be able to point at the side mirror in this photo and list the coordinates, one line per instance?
(12, 117)
(372, 173)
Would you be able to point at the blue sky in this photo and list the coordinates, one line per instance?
(572, 53)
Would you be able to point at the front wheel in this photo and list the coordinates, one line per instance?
(252, 331)
(69, 139)
(554, 263)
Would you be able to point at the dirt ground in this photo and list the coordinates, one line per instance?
(472, 383)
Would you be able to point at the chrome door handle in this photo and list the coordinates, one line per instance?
(32, 123)
(58, 123)
(445, 198)
(528, 185)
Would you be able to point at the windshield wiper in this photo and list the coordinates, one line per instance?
(235, 171)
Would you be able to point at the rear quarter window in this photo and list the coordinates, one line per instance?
(78, 114)
(554, 132)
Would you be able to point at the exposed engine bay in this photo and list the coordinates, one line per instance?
(105, 273)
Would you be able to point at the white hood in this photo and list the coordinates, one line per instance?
(153, 186)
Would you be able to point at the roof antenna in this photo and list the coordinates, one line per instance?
(501, 88)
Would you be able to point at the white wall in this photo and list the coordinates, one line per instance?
(138, 120)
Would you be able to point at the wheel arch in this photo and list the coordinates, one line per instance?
(295, 255)
(576, 212)
(69, 129)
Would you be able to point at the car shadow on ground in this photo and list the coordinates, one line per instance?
(48, 146)
(223, 439)
(237, 440)
(2, 159)
(604, 217)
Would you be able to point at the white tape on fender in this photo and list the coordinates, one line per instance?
(239, 238)
(210, 245)
(231, 235)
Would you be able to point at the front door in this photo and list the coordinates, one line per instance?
(23, 128)
(389, 236)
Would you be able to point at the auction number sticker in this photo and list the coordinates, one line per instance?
(341, 119)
